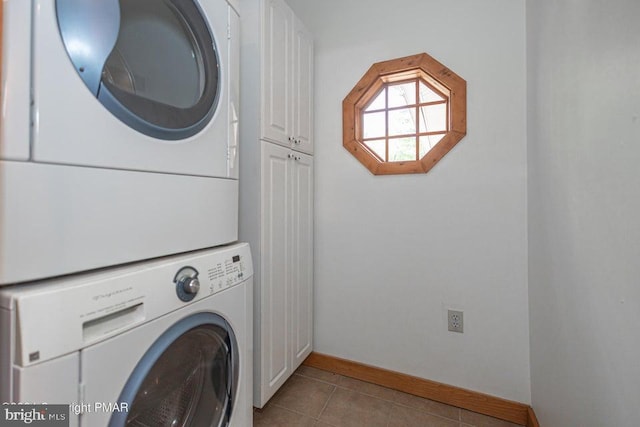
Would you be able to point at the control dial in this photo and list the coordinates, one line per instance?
(187, 283)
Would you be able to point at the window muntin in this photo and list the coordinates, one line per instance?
(404, 115)
(404, 121)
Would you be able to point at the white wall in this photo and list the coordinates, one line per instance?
(393, 252)
(584, 211)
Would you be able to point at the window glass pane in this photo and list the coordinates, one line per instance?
(378, 146)
(378, 103)
(402, 94)
(402, 122)
(373, 125)
(433, 118)
(427, 142)
(156, 56)
(428, 95)
(402, 149)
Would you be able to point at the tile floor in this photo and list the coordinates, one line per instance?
(312, 397)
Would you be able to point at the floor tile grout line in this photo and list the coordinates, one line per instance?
(317, 379)
(389, 415)
(293, 410)
(428, 412)
(405, 405)
(365, 393)
(336, 384)
(317, 419)
(431, 413)
(326, 403)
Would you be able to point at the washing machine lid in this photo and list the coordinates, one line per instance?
(152, 63)
(188, 377)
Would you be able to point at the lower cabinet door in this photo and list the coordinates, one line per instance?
(301, 257)
(284, 322)
(273, 355)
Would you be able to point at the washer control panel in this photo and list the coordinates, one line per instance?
(94, 306)
(226, 273)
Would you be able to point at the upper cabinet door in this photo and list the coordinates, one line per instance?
(277, 66)
(302, 89)
(287, 86)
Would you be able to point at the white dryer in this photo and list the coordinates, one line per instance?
(160, 343)
(119, 132)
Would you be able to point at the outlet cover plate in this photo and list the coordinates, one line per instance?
(455, 320)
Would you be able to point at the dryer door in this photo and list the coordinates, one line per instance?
(153, 64)
(137, 85)
(189, 377)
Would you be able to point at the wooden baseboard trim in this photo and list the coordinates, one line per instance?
(532, 420)
(507, 410)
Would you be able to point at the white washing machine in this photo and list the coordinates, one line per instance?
(119, 132)
(160, 343)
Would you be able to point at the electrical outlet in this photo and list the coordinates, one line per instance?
(455, 320)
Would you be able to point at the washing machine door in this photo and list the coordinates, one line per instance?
(188, 377)
(152, 63)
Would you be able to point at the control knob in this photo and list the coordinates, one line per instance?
(190, 285)
(187, 283)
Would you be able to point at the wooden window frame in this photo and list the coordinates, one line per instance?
(411, 68)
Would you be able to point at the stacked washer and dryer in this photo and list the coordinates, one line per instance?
(121, 279)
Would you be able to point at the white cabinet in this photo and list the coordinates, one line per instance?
(286, 294)
(301, 258)
(277, 91)
(276, 187)
(302, 88)
(287, 63)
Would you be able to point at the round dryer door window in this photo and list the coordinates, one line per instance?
(188, 378)
(152, 63)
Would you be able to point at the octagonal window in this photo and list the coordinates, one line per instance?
(404, 115)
